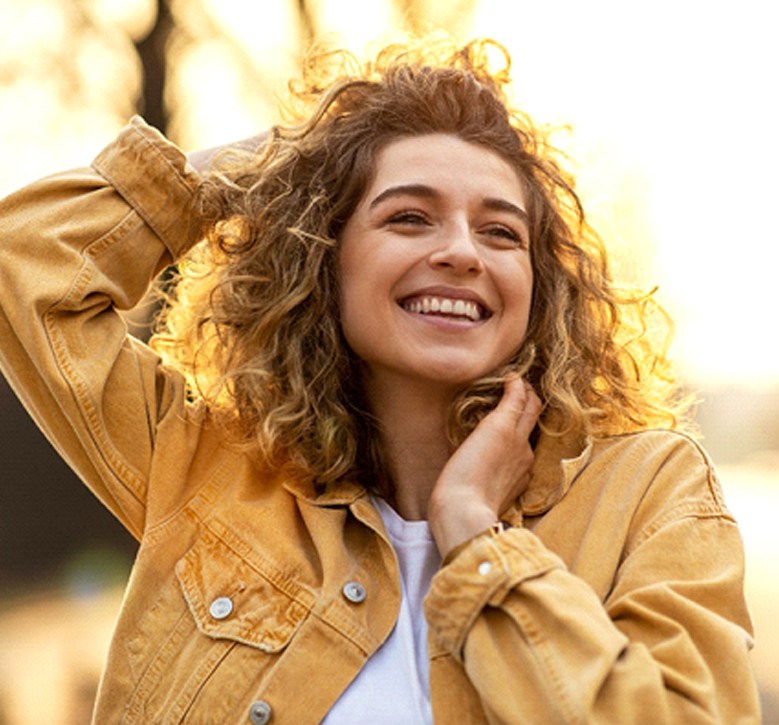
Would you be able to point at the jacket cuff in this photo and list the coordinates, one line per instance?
(482, 575)
(153, 177)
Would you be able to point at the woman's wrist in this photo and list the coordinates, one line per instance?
(452, 528)
(494, 530)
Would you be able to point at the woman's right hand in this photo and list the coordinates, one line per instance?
(489, 470)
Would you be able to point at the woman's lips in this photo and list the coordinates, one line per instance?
(445, 306)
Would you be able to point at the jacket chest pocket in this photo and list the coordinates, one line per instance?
(238, 614)
(231, 599)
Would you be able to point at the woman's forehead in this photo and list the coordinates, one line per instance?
(443, 162)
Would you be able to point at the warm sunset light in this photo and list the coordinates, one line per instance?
(667, 111)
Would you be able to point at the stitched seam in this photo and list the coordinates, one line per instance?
(190, 507)
(544, 655)
(197, 681)
(138, 696)
(685, 510)
(295, 591)
(139, 136)
(345, 631)
(125, 473)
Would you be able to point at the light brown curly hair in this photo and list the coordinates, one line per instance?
(253, 321)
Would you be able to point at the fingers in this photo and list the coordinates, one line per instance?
(489, 470)
(521, 405)
(529, 417)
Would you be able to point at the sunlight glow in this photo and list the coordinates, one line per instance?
(265, 31)
(673, 141)
(47, 20)
(208, 95)
(227, 89)
(135, 17)
(693, 130)
(753, 496)
(60, 107)
(372, 21)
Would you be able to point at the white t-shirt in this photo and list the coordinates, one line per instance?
(394, 685)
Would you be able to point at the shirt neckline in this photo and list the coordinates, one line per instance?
(398, 528)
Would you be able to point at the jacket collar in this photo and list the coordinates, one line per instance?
(342, 493)
(558, 460)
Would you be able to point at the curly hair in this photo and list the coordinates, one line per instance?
(253, 319)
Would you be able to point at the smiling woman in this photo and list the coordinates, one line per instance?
(399, 451)
(428, 244)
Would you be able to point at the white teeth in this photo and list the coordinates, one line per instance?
(446, 306)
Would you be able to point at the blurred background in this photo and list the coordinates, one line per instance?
(667, 114)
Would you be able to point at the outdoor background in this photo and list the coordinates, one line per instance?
(668, 111)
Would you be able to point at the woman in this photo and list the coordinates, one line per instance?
(401, 452)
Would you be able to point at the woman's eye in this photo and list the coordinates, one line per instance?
(408, 218)
(507, 233)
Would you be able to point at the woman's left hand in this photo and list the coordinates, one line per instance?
(202, 159)
(488, 471)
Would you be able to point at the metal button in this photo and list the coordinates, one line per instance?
(354, 592)
(221, 607)
(485, 568)
(260, 712)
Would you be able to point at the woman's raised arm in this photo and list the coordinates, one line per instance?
(75, 248)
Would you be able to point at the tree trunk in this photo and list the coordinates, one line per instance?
(152, 52)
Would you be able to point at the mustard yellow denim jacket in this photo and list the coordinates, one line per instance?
(617, 598)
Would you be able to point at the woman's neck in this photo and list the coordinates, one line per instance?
(413, 423)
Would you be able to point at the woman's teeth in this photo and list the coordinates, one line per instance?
(444, 306)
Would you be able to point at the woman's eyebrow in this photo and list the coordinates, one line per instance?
(496, 204)
(428, 192)
(422, 190)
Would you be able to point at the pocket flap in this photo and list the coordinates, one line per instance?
(232, 599)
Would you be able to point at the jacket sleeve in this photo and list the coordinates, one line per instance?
(75, 248)
(669, 644)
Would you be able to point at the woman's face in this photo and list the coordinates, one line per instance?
(435, 272)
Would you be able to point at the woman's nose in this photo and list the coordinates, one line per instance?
(457, 251)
